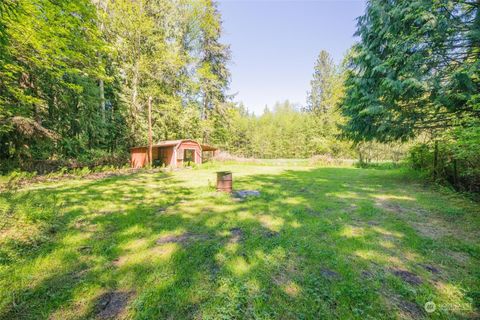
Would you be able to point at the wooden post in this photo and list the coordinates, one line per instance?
(150, 161)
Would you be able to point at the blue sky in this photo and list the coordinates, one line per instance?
(275, 43)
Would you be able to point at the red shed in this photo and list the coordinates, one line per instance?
(173, 153)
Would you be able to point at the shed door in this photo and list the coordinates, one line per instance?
(188, 157)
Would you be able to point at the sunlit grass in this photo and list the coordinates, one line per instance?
(317, 243)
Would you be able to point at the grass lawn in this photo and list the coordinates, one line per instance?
(318, 243)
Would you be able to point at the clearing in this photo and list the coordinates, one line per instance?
(323, 243)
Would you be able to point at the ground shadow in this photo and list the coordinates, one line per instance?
(323, 242)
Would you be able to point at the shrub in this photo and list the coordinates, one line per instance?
(453, 158)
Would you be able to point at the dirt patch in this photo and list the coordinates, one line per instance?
(106, 212)
(432, 229)
(80, 274)
(406, 309)
(288, 286)
(367, 275)
(390, 206)
(303, 190)
(284, 278)
(120, 261)
(85, 225)
(410, 309)
(160, 210)
(461, 258)
(215, 269)
(351, 208)
(184, 238)
(270, 234)
(407, 276)
(85, 249)
(237, 235)
(330, 274)
(112, 304)
(423, 221)
(208, 209)
(312, 212)
(430, 268)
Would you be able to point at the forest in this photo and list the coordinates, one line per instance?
(76, 78)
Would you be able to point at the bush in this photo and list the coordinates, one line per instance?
(383, 165)
(453, 159)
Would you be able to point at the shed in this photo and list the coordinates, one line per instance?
(172, 153)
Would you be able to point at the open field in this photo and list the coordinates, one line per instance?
(318, 243)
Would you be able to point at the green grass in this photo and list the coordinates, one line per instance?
(319, 243)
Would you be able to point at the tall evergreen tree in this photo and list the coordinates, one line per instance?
(319, 96)
(416, 68)
(213, 72)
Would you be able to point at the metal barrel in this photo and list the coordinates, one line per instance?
(224, 181)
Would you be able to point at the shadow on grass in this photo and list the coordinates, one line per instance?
(316, 243)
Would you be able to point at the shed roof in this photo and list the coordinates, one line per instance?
(206, 147)
(170, 143)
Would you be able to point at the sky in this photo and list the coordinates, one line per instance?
(275, 44)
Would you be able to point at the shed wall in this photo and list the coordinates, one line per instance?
(169, 159)
(138, 157)
(189, 145)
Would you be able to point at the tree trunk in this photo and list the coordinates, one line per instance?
(134, 108)
(455, 173)
(205, 107)
(101, 5)
(102, 98)
(435, 161)
(150, 161)
(204, 117)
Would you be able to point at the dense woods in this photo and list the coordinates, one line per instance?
(75, 77)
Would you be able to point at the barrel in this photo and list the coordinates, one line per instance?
(224, 181)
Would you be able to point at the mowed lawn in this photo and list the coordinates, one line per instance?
(318, 243)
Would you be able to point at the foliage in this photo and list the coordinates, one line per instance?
(458, 158)
(75, 76)
(415, 68)
(416, 72)
(284, 132)
(48, 73)
(373, 151)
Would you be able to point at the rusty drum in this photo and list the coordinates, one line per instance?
(224, 181)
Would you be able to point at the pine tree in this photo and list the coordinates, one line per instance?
(319, 96)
